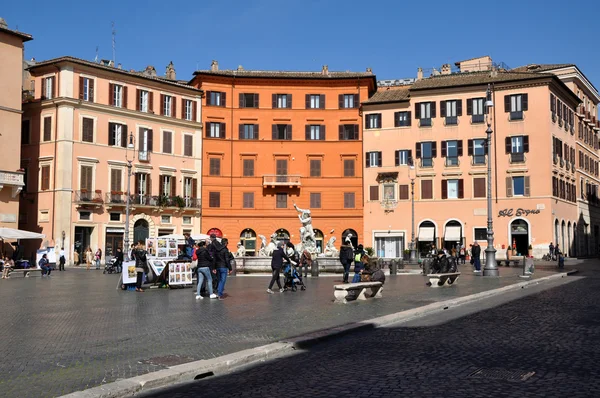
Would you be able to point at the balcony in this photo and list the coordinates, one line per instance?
(115, 199)
(13, 179)
(516, 115)
(452, 161)
(281, 180)
(173, 202)
(517, 158)
(478, 160)
(85, 198)
(477, 119)
(425, 122)
(426, 163)
(144, 156)
(451, 121)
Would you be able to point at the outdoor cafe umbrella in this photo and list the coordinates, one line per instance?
(11, 233)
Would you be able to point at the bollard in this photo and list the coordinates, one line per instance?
(393, 267)
(314, 268)
(528, 266)
(426, 263)
(233, 267)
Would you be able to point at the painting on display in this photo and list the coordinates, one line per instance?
(180, 273)
(129, 274)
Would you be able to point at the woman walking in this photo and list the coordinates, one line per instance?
(205, 266)
(98, 257)
(141, 265)
(88, 258)
(276, 264)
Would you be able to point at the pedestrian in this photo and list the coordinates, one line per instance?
(306, 262)
(61, 259)
(346, 256)
(98, 257)
(141, 265)
(551, 250)
(88, 258)
(76, 258)
(475, 253)
(189, 245)
(45, 265)
(453, 252)
(276, 264)
(561, 261)
(556, 251)
(119, 260)
(462, 254)
(9, 264)
(223, 266)
(359, 265)
(204, 268)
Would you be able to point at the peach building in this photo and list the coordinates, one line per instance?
(11, 178)
(85, 121)
(275, 138)
(544, 155)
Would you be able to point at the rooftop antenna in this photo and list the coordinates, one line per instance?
(96, 59)
(114, 33)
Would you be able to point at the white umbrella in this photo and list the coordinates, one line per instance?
(182, 238)
(11, 233)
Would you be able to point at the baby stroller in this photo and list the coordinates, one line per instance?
(110, 266)
(292, 279)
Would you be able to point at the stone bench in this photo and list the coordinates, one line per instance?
(25, 271)
(359, 289)
(436, 280)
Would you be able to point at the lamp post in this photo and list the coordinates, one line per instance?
(130, 146)
(491, 267)
(413, 250)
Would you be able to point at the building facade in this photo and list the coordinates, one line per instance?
(273, 139)
(11, 177)
(438, 124)
(86, 121)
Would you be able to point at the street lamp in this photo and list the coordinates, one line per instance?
(413, 250)
(491, 267)
(130, 146)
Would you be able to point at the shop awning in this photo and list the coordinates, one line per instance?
(452, 234)
(426, 234)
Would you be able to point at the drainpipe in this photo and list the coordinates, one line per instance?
(55, 152)
(231, 146)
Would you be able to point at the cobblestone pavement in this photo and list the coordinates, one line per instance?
(75, 330)
(542, 345)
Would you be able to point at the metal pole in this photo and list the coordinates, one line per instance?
(413, 250)
(126, 245)
(491, 267)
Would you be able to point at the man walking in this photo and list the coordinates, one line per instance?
(276, 264)
(61, 259)
(346, 257)
(476, 253)
(222, 263)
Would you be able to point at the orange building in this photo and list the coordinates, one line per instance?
(275, 138)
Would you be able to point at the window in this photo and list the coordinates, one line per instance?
(167, 186)
(117, 134)
(402, 119)
(348, 101)
(315, 101)
(188, 109)
(426, 151)
(477, 149)
(186, 220)
(145, 143)
(426, 189)
(188, 145)
(215, 130)
(190, 190)
(248, 200)
(516, 147)
(282, 101)
(374, 192)
(517, 186)
(282, 132)
(85, 215)
(144, 101)
(143, 187)
(45, 183)
(48, 88)
(117, 95)
(452, 189)
(451, 110)
(373, 121)
(215, 98)
(167, 142)
(480, 233)
(115, 217)
(25, 132)
(116, 178)
(424, 111)
(281, 202)
(86, 174)
(348, 132)
(373, 159)
(248, 100)
(403, 157)
(47, 128)
(475, 108)
(214, 199)
(165, 219)
(315, 167)
(389, 192)
(403, 192)
(349, 200)
(451, 150)
(248, 167)
(86, 89)
(349, 168)
(248, 132)
(479, 187)
(215, 167)
(315, 132)
(515, 105)
(167, 105)
(315, 200)
(87, 129)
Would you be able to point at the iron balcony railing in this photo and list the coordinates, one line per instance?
(85, 196)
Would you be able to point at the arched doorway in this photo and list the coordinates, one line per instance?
(563, 234)
(319, 237)
(519, 235)
(282, 235)
(556, 233)
(215, 231)
(453, 234)
(569, 248)
(248, 240)
(353, 237)
(426, 238)
(141, 231)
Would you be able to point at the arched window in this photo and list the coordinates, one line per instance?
(215, 231)
(141, 231)
(353, 237)
(248, 240)
(282, 235)
(319, 237)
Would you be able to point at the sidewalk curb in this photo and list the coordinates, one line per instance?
(197, 369)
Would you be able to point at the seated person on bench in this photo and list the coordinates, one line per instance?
(441, 264)
(9, 264)
(45, 265)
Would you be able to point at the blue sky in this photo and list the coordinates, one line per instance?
(392, 37)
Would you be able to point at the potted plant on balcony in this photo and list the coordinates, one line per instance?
(163, 201)
(179, 202)
(83, 195)
(530, 251)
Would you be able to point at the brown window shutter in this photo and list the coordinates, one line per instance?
(81, 80)
(322, 101)
(526, 143)
(444, 148)
(188, 145)
(274, 100)
(183, 101)
(194, 188)
(47, 128)
(459, 107)
(162, 104)
(403, 192)
(479, 187)
(434, 149)
(54, 88)
(509, 187)
(341, 132)
(174, 107)
(242, 102)
(161, 185)
(374, 192)
(307, 132)
(356, 101)
(397, 158)
(433, 112)
(124, 135)
(341, 101)
(194, 110)
(459, 147)
(442, 108)
(151, 102)
(418, 150)
(173, 186)
(91, 96)
(461, 188)
(527, 188)
(207, 96)
(256, 100)
(241, 132)
(469, 147)
(367, 159)
(111, 134)
(524, 101)
(507, 103)
(508, 144)
(124, 97)
(223, 131)
(224, 99)
(150, 139)
(444, 189)
(289, 101)
(141, 139)
(44, 94)
(469, 106)
(307, 101)
(111, 94)
(45, 178)
(379, 159)
(427, 189)
(148, 185)
(137, 99)
(418, 111)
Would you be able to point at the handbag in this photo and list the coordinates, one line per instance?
(194, 265)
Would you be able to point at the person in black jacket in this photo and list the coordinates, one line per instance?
(346, 258)
(476, 253)
(205, 266)
(119, 260)
(222, 258)
(141, 264)
(276, 264)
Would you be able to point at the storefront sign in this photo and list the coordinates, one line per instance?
(518, 213)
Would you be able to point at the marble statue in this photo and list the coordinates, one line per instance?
(307, 234)
(241, 250)
(266, 250)
(348, 240)
(330, 250)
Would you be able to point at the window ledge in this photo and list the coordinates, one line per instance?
(452, 173)
(517, 171)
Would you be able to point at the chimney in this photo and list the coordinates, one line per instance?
(119, 66)
(446, 69)
(240, 68)
(325, 70)
(419, 73)
(170, 73)
(369, 70)
(214, 66)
